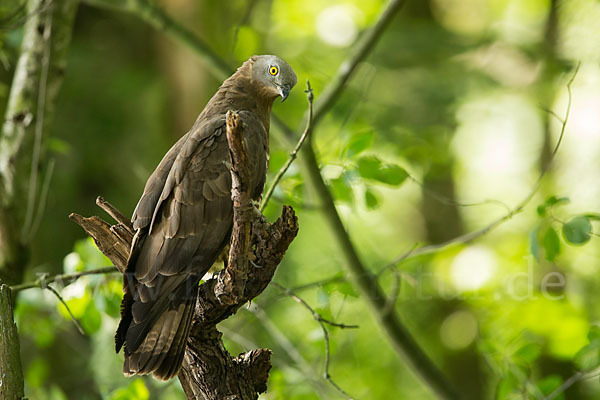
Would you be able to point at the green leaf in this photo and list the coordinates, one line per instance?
(527, 353)
(56, 393)
(342, 191)
(91, 321)
(84, 310)
(594, 333)
(371, 200)
(358, 143)
(344, 288)
(592, 216)
(77, 305)
(37, 372)
(323, 296)
(588, 358)
(136, 390)
(392, 175)
(139, 389)
(541, 211)
(534, 245)
(551, 244)
(89, 254)
(551, 202)
(370, 167)
(73, 263)
(577, 230)
(111, 301)
(549, 384)
(43, 331)
(554, 201)
(324, 312)
(58, 146)
(506, 387)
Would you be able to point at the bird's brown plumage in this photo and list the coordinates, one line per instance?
(184, 218)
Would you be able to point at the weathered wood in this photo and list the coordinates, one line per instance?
(230, 286)
(114, 246)
(116, 214)
(209, 372)
(11, 373)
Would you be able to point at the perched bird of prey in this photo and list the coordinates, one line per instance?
(185, 217)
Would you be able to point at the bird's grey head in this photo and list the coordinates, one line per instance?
(275, 75)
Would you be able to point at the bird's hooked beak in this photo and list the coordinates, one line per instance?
(284, 91)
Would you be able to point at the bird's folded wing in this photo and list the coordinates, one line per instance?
(188, 211)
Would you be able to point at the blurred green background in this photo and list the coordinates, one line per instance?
(459, 94)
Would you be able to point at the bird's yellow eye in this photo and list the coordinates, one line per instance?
(273, 70)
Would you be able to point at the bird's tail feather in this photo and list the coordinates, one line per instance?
(162, 350)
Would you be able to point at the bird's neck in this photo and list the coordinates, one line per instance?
(238, 93)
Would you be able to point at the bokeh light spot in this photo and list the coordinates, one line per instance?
(458, 330)
(472, 268)
(335, 26)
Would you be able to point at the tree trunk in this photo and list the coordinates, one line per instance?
(36, 82)
(11, 373)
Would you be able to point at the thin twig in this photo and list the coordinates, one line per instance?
(321, 282)
(321, 321)
(42, 282)
(292, 352)
(552, 113)
(43, 199)
(326, 374)
(566, 118)
(315, 314)
(469, 237)
(395, 291)
(451, 202)
(294, 153)
(236, 337)
(397, 261)
(64, 303)
(578, 376)
(528, 388)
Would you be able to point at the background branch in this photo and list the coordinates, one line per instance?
(11, 372)
(43, 281)
(471, 236)
(36, 82)
(294, 153)
(64, 303)
(322, 321)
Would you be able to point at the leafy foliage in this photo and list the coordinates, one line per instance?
(454, 94)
